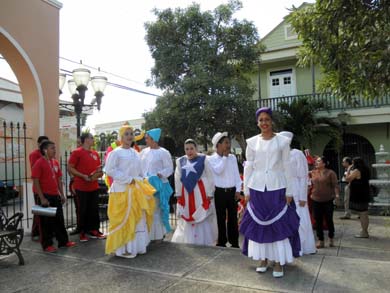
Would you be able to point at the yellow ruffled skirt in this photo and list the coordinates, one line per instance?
(125, 210)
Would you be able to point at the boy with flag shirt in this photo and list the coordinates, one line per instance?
(46, 175)
(84, 164)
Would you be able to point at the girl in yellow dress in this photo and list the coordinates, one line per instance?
(131, 203)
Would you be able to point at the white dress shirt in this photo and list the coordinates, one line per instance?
(225, 171)
(268, 164)
(123, 165)
(156, 161)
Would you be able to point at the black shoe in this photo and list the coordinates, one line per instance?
(221, 245)
(235, 246)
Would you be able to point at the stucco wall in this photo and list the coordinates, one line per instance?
(29, 41)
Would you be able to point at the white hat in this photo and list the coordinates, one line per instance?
(217, 137)
(287, 134)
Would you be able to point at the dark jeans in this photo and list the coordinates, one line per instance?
(53, 226)
(225, 201)
(88, 210)
(323, 210)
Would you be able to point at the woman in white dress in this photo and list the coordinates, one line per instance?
(299, 179)
(194, 188)
(270, 223)
(131, 204)
(157, 166)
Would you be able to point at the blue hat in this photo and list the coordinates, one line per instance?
(261, 110)
(154, 133)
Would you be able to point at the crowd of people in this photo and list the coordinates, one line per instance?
(281, 199)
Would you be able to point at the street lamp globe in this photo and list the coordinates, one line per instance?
(99, 84)
(72, 87)
(61, 81)
(81, 76)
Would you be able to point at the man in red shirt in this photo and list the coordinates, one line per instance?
(84, 164)
(34, 156)
(47, 175)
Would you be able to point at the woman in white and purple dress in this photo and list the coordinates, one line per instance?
(270, 223)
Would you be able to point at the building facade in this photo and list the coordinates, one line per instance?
(366, 124)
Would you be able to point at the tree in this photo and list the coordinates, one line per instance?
(202, 60)
(350, 40)
(300, 117)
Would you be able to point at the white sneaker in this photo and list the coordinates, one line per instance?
(261, 269)
(278, 274)
(126, 255)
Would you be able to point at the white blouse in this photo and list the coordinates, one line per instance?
(156, 161)
(123, 165)
(268, 164)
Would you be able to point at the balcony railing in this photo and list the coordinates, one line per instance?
(330, 100)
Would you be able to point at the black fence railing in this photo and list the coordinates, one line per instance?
(13, 167)
(332, 101)
(16, 193)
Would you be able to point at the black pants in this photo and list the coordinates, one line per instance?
(225, 201)
(323, 210)
(36, 224)
(53, 226)
(76, 201)
(88, 210)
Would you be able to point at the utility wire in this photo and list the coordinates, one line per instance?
(98, 69)
(113, 84)
(117, 85)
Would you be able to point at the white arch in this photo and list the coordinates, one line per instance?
(41, 104)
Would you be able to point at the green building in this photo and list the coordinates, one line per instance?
(366, 124)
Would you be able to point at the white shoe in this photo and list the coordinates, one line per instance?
(261, 269)
(126, 255)
(278, 274)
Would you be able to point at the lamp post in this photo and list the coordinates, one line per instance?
(77, 88)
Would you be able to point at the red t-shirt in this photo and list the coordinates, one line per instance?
(33, 157)
(86, 162)
(48, 172)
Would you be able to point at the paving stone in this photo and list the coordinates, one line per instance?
(339, 274)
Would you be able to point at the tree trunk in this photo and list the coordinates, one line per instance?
(241, 141)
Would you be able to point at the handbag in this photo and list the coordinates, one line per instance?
(44, 211)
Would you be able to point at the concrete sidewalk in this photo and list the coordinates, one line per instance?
(354, 265)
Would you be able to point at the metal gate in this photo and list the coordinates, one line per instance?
(354, 145)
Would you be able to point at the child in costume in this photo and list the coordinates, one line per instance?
(157, 166)
(131, 204)
(194, 187)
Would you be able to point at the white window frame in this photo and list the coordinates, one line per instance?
(293, 81)
(286, 37)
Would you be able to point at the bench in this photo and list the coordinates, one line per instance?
(11, 235)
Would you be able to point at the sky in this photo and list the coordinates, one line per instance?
(110, 34)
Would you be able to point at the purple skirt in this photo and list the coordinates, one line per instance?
(266, 220)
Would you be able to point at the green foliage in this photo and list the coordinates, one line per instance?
(104, 140)
(300, 117)
(350, 40)
(201, 62)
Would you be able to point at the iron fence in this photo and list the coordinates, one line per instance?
(16, 193)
